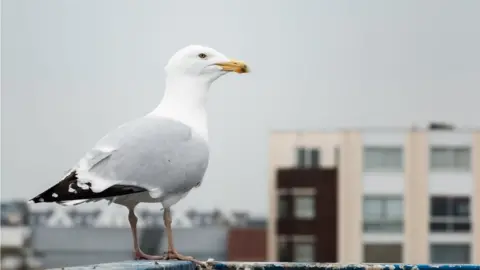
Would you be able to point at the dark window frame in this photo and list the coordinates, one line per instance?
(446, 217)
(283, 213)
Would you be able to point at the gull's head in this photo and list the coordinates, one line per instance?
(203, 63)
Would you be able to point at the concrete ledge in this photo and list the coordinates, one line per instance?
(135, 265)
(176, 265)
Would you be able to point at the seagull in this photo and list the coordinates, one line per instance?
(156, 158)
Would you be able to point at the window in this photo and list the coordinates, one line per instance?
(303, 252)
(308, 157)
(315, 159)
(337, 156)
(382, 214)
(304, 207)
(303, 248)
(450, 158)
(382, 253)
(383, 158)
(450, 253)
(450, 214)
(301, 162)
(282, 249)
(282, 207)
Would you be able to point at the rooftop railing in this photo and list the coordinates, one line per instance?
(180, 265)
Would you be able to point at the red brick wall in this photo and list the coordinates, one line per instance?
(247, 244)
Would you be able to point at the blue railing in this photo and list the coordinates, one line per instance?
(179, 265)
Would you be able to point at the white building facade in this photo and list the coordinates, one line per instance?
(410, 195)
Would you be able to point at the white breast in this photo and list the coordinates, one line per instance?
(184, 100)
(196, 119)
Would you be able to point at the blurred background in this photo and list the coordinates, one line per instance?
(354, 139)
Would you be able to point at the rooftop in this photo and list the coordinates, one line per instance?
(439, 127)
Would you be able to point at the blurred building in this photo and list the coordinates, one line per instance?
(70, 236)
(248, 243)
(307, 216)
(16, 246)
(62, 247)
(375, 195)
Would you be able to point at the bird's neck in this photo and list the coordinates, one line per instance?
(184, 100)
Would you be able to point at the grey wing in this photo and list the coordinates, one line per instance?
(147, 154)
(155, 153)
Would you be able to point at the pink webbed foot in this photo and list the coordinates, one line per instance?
(139, 255)
(173, 254)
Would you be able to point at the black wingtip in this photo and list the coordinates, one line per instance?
(37, 199)
(68, 189)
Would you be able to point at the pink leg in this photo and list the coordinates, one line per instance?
(137, 252)
(172, 252)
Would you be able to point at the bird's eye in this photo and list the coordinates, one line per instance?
(202, 56)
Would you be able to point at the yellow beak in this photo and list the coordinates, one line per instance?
(234, 65)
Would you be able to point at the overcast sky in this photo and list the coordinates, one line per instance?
(73, 70)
